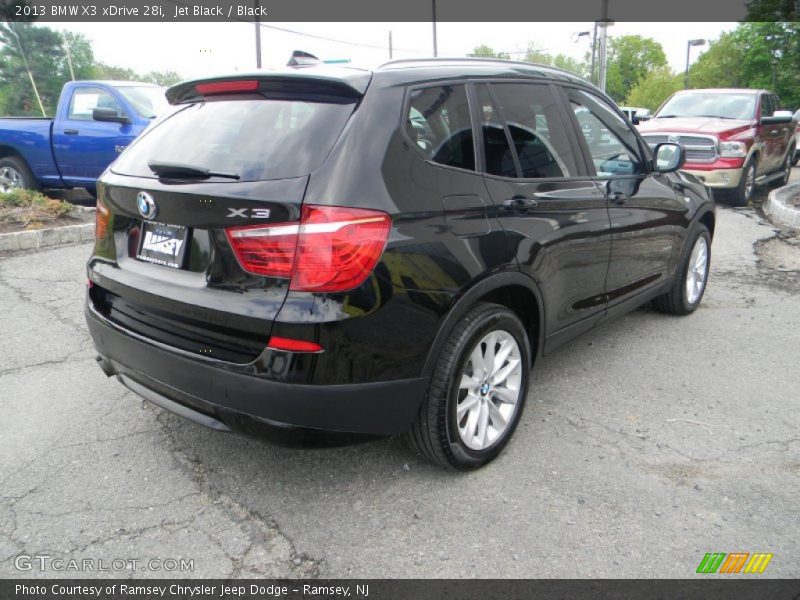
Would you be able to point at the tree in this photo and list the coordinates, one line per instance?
(536, 55)
(655, 87)
(754, 55)
(165, 78)
(486, 51)
(43, 49)
(720, 65)
(111, 72)
(630, 58)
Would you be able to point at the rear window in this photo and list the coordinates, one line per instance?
(258, 139)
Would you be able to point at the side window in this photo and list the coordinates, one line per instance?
(438, 122)
(612, 145)
(86, 99)
(496, 148)
(537, 131)
(766, 105)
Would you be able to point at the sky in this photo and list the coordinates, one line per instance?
(200, 49)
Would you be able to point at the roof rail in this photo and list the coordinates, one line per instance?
(484, 59)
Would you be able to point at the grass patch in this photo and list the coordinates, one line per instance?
(27, 209)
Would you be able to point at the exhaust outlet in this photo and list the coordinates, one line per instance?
(108, 369)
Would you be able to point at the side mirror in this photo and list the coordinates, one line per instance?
(109, 115)
(669, 157)
(779, 117)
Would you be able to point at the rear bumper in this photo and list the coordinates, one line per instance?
(717, 178)
(218, 395)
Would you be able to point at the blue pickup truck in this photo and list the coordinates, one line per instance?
(94, 122)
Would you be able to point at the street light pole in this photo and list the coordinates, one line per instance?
(689, 44)
(435, 49)
(258, 34)
(603, 24)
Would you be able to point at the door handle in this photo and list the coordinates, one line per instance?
(521, 203)
(70, 132)
(619, 198)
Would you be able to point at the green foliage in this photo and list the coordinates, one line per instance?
(561, 61)
(46, 52)
(655, 87)
(486, 51)
(110, 72)
(754, 55)
(630, 58)
(26, 209)
(43, 49)
(720, 65)
(165, 78)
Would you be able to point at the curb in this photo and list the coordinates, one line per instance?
(777, 207)
(44, 238)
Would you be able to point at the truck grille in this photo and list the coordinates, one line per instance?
(178, 331)
(698, 148)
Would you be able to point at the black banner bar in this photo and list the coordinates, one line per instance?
(176, 11)
(417, 589)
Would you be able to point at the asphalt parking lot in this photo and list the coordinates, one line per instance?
(644, 445)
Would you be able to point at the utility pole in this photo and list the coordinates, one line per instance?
(28, 69)
(592, 78)
(603, 24)
(65, 43)
(390, 44)
(258, 33)
(435, 49)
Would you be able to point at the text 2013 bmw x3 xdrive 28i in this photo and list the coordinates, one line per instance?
(382, 252)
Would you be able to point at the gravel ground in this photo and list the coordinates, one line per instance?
(644, 445)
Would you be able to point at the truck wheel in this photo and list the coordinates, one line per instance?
(787, 169)
(744, 191)
(477, 391)
(15, 174)
(690, 280)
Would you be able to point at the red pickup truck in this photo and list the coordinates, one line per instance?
(735, 139)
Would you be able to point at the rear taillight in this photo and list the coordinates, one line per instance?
(292, 345)
(331, 249)
(101, 218)
(227, 87)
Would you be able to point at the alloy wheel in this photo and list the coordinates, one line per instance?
(10, 179)
(749, 183)
(696, 271)
(489, 390)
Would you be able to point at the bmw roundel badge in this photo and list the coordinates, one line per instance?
(146, 205)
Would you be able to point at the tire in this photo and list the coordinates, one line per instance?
(678, 301)
(742, 193)
(438, 434)
(787, 169)
(796, 158)
(15, 174)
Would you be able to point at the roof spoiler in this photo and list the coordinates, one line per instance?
(331, 85)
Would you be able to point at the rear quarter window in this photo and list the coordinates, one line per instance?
(258, 139)
(438, 123)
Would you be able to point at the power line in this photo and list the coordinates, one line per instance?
(347, 42)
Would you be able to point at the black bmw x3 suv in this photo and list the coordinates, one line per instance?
(382, 252)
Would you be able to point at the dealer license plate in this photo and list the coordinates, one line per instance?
(163, 244)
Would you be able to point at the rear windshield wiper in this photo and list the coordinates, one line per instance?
(182, 171)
